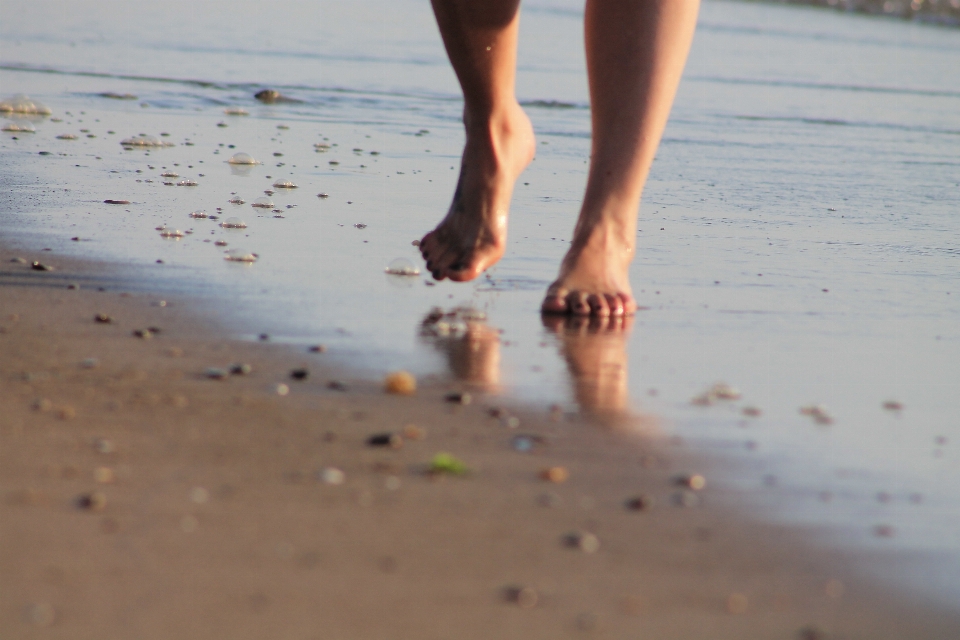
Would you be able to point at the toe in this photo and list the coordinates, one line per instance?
(427, 245)
(441, 261)
(615, 304)
(577, 303)
(598, 305)
(629, 304)
(555, 302)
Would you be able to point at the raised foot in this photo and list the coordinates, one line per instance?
(473, 235)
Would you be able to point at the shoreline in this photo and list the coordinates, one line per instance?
(207, 512)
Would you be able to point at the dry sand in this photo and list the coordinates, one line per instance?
(205, 516)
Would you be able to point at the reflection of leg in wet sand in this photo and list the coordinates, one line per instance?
(636, 50)
(596, 353)
(471, 346)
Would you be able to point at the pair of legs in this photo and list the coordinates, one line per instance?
(636, 50)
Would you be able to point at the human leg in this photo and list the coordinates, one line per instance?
(481, 42)
(636, 50)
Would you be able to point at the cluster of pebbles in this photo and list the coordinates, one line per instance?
(21, 105)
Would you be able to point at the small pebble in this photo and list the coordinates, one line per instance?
(38, 266)
(143, 334)
(67, 413)
(215, 373)
(719, 391)
(199, 495)
(818, 412)
(241, 369)
(331, 475)
(643, 502)
(102, 318)
(527, 443)
(400, 383)
(892, 405)
(282, 389)
(523, 597)
(318, 348)
(299, 374)
(556, 475)
(458, 398)
(586, 542)
(89, 363)
(883, 531)
(103, 475)
(752, 412)
(336, 385)
(392, 440)
(694, 481)
(94, 501)
(102, 445)
(42, 405)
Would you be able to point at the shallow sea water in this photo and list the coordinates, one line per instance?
(799, 236)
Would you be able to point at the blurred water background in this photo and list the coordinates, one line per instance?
(799, 232)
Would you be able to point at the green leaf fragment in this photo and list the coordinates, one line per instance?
(446, 463)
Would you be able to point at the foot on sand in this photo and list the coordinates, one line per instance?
(473, 235)
(594, 278)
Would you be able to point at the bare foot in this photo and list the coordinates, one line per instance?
(473, 235)
(596, 355)
(594, 276)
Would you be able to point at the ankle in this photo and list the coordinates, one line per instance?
(606, 228)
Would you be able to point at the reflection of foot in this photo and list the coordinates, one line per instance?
(472, 348)
(594, 276)
(473, 235)
(475, 357)
(595, 350)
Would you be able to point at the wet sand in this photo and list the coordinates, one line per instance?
(139, 498)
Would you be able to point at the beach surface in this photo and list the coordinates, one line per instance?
(797, 343)
(141, 498)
